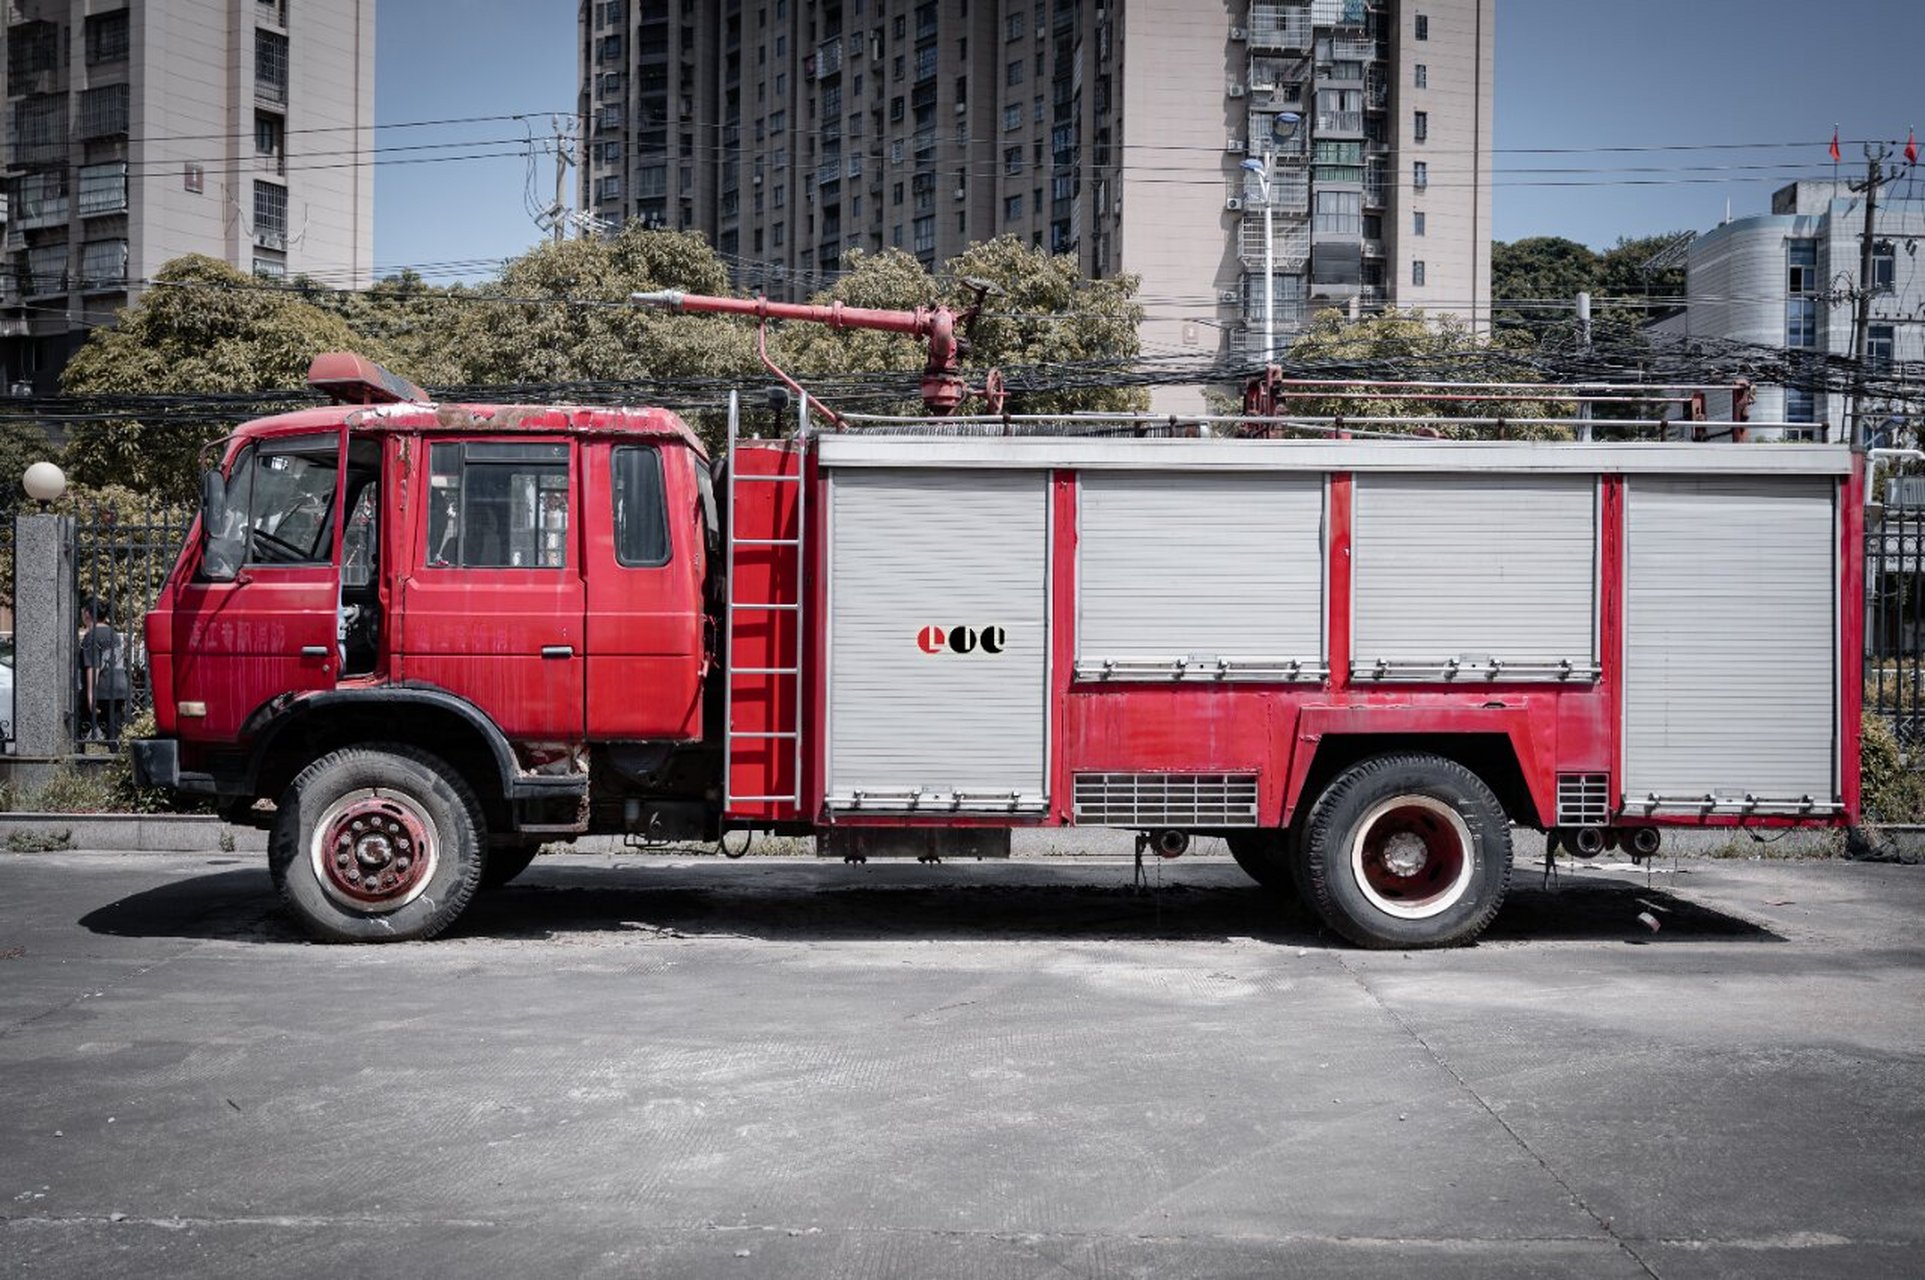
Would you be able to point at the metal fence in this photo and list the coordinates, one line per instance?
(1895, 623)
(6, 633)
(121, 561)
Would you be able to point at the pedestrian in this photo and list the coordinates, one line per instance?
(103, 665)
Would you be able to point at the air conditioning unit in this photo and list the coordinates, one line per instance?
(1234, 145)
(962, 108)
(1238, 33)
(1237, 91)
(1234, 204)
(962, 193)
(1229, 297)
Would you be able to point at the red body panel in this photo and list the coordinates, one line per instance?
(644, 623)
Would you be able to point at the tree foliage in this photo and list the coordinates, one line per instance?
(1416, 346)
(1535, 283)
(203, 328)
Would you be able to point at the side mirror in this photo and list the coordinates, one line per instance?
(220, 528)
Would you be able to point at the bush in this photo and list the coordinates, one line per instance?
(1892, 790)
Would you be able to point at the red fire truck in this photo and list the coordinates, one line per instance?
(419, 640)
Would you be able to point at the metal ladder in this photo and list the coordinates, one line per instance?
(773, 610)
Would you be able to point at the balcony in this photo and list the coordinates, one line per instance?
(1291, 237)
(828, 171)
(1329, 122)
(1279, 26)
(1349, 49)
(828, 58)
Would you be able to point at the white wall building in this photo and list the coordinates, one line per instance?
(1786, 279)
(141, 130)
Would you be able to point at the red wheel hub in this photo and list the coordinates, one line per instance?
(1412, 856)
(373, 851)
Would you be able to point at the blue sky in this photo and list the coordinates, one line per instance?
(1753, 83)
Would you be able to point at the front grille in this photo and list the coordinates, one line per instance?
(1583, 799)
(1185, 800)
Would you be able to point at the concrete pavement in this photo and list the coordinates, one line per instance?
(777, 1068)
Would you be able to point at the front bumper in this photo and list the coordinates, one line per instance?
(157, 764)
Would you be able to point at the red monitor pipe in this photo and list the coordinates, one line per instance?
(943, 387)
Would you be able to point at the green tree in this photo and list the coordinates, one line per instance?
(1408, 345)
(1535, 281)
(203, 328)
(561, 313)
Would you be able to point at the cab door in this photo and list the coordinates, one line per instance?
(492, 600)
(271, 629)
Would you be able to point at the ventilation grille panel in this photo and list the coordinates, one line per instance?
(1583, 799)
(1186, 800)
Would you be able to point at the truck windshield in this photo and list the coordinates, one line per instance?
(286, 488)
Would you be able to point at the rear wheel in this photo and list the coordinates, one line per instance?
(1407, 851)
(1264, 857)
(376, 844)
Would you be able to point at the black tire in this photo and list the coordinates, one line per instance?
(506, 861)
(418, 845)
(1264, 857)
(1407, 851)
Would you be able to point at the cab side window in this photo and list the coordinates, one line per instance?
(641, 515)
(495, 505)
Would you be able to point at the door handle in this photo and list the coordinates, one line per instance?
(315, 651)
(558, 651)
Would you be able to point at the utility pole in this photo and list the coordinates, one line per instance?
(1584, 348)
(564, 156)
(1861, 323)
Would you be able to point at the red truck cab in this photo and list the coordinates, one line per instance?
(508, 586)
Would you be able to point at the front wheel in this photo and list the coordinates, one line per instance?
(1407, 851)
(376, 844)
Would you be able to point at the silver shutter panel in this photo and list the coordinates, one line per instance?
(1472, 578)
(1200, 576)
(1730, 685)
(917, 731)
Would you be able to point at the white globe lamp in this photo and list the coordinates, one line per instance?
(44, 482)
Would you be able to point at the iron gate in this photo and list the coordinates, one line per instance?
(1895, 621)
(122, 557)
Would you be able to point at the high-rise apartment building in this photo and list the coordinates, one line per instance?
(790, 131)
(141, 130)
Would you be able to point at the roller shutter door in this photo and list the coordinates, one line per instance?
(1730, 683)
(1473, 578)
(1200, 576)
(939, 647)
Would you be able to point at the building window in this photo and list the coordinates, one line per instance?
(608, 188)
(1013, 74)
(925, 232)
(103, 111)
(1012, 160)
(270, 66)
(1420, 176)
(925, 62)
(32, 47)
(103, 264)
(1417, 271)
(1420, 126)
(1014, 25)
(270, 266)
(777, 234)
(1801, 274)
(47, 268)
(1417, 222)
(1423, 26)
(40, 128)
(103, 188)
(1884, 268)
(1013, 208)
(107, 37)
(270, 215)
(1800, 405)
(1339, 213)
(1012, 117)
(1878, 348)
(1801, 322)
(1421, 76)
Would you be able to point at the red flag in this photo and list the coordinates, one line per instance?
(1911, 147)
(1834, 146)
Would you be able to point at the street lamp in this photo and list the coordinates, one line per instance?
(1284, 128)
(43, 482)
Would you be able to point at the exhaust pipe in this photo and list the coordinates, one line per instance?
(1587, 842)
(1646, 841)
(1171, 843)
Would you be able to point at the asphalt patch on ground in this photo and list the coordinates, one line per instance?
(240, 906)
